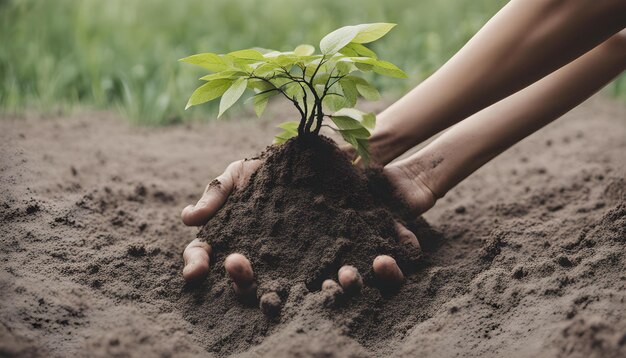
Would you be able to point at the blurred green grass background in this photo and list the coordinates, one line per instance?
(57, 55)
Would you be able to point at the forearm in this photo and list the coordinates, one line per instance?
(470, 144)
(524, 42)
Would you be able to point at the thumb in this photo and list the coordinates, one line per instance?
(214, 197)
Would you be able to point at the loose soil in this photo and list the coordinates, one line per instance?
(306, 212)
(525, 258)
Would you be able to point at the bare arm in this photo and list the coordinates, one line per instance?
(478, 139)
(522, 43)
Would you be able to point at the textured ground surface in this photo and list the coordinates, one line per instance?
(531, 256)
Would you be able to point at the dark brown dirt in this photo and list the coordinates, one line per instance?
(527, 257)
(306, 212)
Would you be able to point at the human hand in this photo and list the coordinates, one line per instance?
(197, 254)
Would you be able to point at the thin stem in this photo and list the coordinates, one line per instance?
(317, 108)
(293, 100)
(266, 91)
(299, 82)
(317, 68)
(332, 84)
(302, 126)
(320, 116)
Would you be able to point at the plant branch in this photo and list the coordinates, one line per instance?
(301, 126)
(320, 116)
(317, 110)
(332, 84)
(293, 100)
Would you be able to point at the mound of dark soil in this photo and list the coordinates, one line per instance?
(306, 212)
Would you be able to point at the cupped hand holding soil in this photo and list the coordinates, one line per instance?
(237, 176)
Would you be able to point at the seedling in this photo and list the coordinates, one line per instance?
(320, 86)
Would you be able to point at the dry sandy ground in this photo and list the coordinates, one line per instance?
(529, 258)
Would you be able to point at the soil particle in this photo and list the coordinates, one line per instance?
(270, 304)
(33, 208)
(215, 183)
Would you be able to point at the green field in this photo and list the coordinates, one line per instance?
(57, 55)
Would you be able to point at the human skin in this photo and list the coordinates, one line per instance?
(527, 42)
(521, 44)
(476, 140)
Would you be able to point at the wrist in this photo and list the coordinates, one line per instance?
(386, 144)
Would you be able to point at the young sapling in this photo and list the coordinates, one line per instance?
(324, 85)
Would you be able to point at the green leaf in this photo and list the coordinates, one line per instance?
(371, 32)
(293, 90)
(210, 61)
(259, 85)
(349, 90)
(353, 130)
(304, 50)
(290, 131)
(360, 50)
(349, 139)
(279, 82)
(248, 55)
(260, 101)
(348, 51)
(346, 123)
(291, 126)
(320, 78)
(366, 120)
(310, 69)
(364, 88)
(343, 68)
(209, 91)
(369, 121)
(310, 60)
(266, 69)
(358, 34)
(363, 67)
(363, 150)
(336, 40)
(368, 92)
(388, 69)
(378, 66)
(334, 101)
(358, 138)
(283, 60)
(232, 94)
(232, 74)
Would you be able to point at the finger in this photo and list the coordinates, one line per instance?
(350, 279)
(240, 271)
(406, 236)
(331, 286)
(332, 293)
(387, 271)
(214, 197)
(270, 303)
(196, 260)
